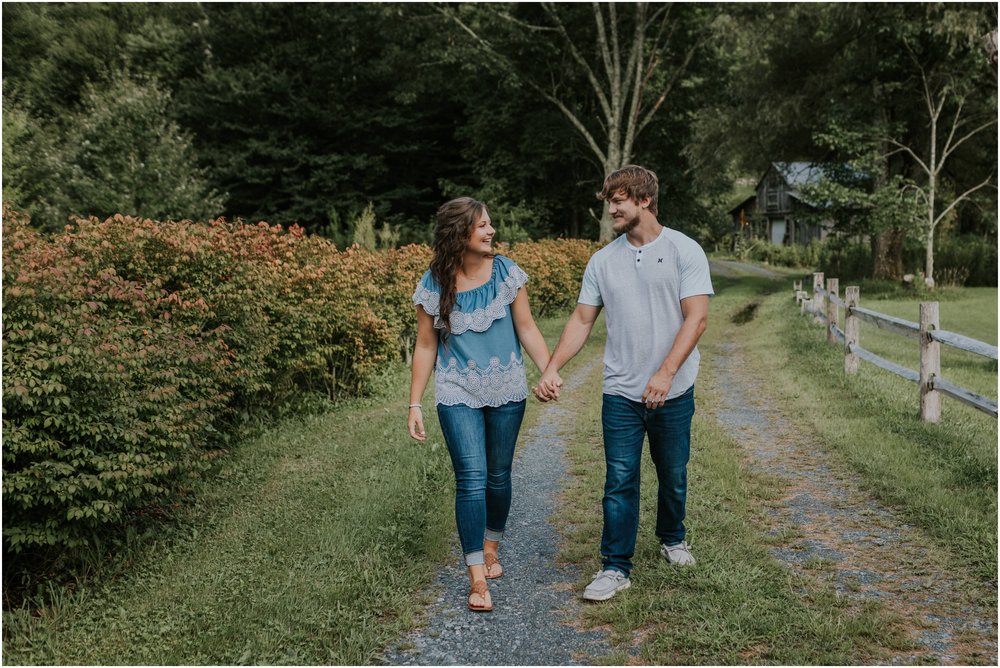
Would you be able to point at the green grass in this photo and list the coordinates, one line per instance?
(942, 476)
(302, 549)
(739, 605)
(971, 312)
(308, 545)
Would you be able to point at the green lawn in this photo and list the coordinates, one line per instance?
(971, 312)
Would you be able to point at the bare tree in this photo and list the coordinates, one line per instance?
(936, 98)
(628, 61)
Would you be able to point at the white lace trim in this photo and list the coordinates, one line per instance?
(496, 385)
(480, 319)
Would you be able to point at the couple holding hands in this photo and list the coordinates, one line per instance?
(473, 317)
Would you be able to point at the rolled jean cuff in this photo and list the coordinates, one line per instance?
(494, 535)
(474, 558)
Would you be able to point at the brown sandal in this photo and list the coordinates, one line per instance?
(489, 561)
(481, 589)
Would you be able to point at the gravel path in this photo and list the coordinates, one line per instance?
(834, 529)
(536, 598)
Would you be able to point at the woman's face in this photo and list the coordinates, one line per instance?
(481, 238)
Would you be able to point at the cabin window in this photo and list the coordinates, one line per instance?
(773, 184)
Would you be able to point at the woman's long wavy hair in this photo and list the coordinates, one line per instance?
(455, 222)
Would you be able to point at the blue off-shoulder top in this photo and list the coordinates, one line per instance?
(480, 363)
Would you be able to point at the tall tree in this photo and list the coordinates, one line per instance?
(309, 130)
(608, 69)
(802, 68)
(121, 152)
(946, 91)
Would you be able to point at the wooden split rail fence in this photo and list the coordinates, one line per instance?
(824, 305)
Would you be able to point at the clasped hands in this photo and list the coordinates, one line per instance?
(548, 386)
(654, 396)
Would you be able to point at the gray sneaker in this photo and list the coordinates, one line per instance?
(679, 554)
(606, 584)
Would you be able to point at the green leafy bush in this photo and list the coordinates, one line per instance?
(845, 260)
(110, 391)
(135, 351)
(800, 256)
(973, 258)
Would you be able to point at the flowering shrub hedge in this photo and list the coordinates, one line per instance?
(133, 350)
(555, 269)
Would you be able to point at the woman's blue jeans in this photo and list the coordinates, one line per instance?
(625, 424)
(481, 443)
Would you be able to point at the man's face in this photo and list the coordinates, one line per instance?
(624, 211)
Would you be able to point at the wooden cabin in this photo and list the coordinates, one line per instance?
(775, 211)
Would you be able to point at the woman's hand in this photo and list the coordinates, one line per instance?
(416, 424)
(548, 386)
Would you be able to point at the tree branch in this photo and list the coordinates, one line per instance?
(959, 199)
(673, 80)
(602, 43)
(906, 149)
(949, 150)
(509, 67)
(630, 77)
(631, 130)
(524, 24)
(578, 57)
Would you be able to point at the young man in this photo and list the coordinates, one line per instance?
(653, 284)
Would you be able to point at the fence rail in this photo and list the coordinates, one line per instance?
(824, 305)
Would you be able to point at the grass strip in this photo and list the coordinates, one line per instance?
(941, 476)
(739, 605)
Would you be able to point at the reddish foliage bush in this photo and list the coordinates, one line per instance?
(555, 268)
(110, 390)
(133, 349)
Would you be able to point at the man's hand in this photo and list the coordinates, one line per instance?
(657, 389)
(548, 386)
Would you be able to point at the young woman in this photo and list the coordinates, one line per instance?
(472, 319)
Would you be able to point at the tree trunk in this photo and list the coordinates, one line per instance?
(931, 201)
(615, 161)
(929, 268)
(887, 254)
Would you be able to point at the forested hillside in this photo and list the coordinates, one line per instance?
(306, 113)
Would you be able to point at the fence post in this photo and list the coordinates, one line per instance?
(832, 312)
(852, 328)
(796, 288)
(930, 363)
(817, 300)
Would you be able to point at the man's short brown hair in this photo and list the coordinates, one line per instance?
(635, 181)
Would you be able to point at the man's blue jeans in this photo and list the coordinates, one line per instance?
(626, 423)
(481, 443)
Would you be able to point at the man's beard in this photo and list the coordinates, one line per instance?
(629, 226)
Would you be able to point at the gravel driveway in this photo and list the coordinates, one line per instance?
(838, 531)
(826, 526)
(535, 598)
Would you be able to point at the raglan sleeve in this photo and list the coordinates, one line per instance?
(695, 276)
(590, 290)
